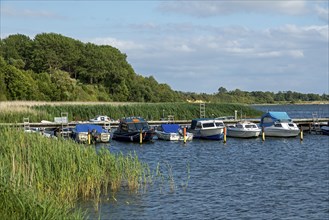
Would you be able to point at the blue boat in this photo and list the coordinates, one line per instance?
(278, 124)
(172, 132)
(97, 133)
(131, 128)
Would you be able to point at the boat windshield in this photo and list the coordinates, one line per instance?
(138, 126)
(208, 125)
(251, 126)
(219, 124)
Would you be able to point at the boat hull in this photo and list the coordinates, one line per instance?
(133, 136)
(278, 132)
(173, 136)
(242, 133)
(208, 134)
(325, 130)
(82, 137)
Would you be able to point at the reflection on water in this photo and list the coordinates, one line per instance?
(281, 178)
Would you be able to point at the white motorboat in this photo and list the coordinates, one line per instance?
(101, 118)
(278, 124)
(172, 132)
(243, 129)
(205, 128)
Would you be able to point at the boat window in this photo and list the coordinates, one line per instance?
(239, 126)
(219, 124)
(208, 125)
(137, 126)
(291, 125)
(198, 126)
(251, 126)
(277, 125)
(124, 127)
(267, 120)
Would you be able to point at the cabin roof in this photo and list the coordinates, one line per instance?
(133, 119)
(170, 128)
(275, 117)
(88, 127)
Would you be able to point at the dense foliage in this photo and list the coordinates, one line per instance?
(52, 67)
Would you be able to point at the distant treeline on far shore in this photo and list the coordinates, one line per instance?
(52, 67)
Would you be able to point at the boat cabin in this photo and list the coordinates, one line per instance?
(133, 124)
(206, 123)
(275, 118)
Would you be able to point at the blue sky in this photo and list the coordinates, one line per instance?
(196, 46)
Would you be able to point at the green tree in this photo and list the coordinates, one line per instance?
(16, 50)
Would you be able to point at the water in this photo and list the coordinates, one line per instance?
(298, 111)
(281, 178)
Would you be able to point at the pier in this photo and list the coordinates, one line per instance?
(305, 124)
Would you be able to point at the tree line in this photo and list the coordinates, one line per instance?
(53, 67)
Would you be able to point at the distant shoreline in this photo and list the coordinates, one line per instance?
(297, 103)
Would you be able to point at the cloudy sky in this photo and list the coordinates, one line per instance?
(196, 46)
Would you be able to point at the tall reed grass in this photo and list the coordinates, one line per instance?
(54, 174)
(150, 111)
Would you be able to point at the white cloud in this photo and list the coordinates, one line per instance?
(218, 8)
(323, 13)
(225, 56)
(28, 13)
(120, 44)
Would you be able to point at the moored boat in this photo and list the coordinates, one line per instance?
(325, 130)
(243, 129)
(96, 132)
(100, 118)
(133, 129)
(206, 128)
(278, 124)
(172, 132)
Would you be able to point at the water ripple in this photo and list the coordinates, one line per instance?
(242, 179)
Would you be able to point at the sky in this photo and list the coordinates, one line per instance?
(195, 46)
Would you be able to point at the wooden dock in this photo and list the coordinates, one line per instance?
(306, 124)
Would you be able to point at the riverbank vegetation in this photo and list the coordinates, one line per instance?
(12, 112)
(44, 178)
(52, 67)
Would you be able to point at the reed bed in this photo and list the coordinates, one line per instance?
(150, 111)
(55, 174)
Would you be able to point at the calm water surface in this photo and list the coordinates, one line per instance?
(281, 178)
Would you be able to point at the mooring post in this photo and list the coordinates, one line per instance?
(301, 134)
(224, 135)
(140, 137)
(263, 133)
(89, 137)
(184, 133)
